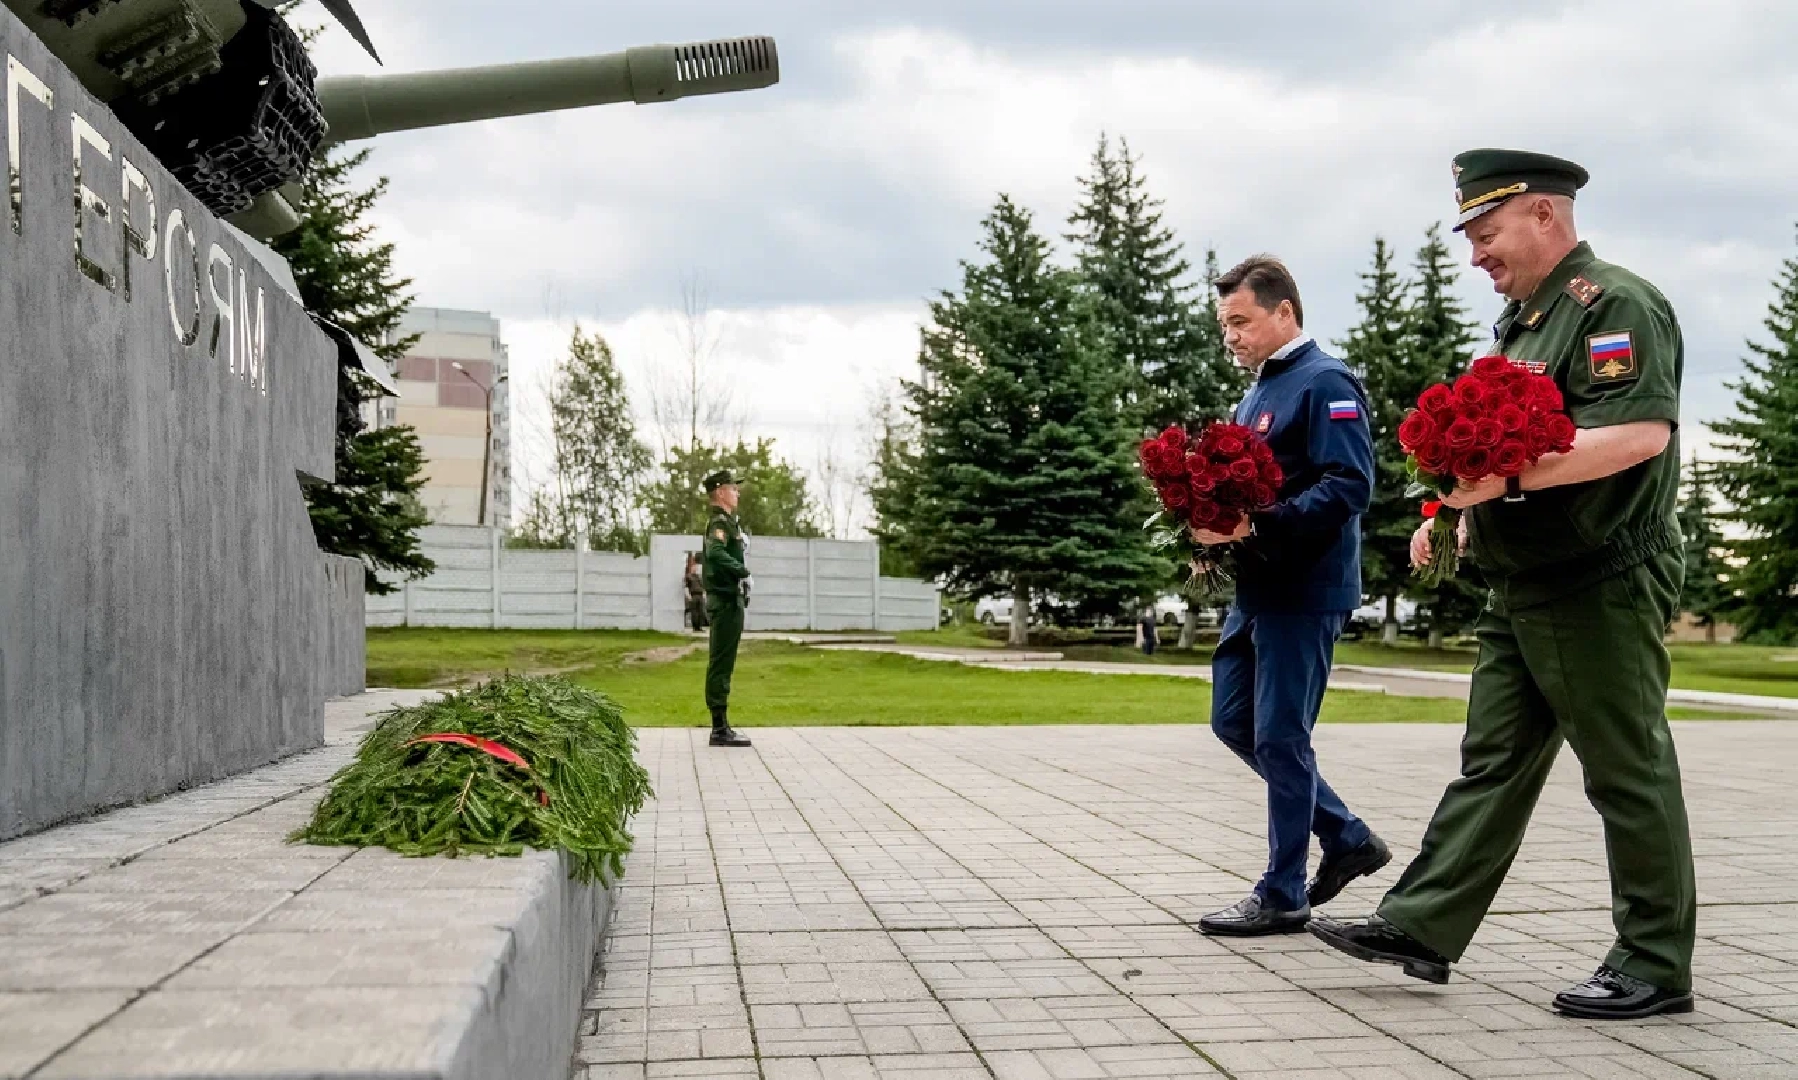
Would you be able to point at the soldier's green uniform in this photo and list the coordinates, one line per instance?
(726, 576)
(1585, 580)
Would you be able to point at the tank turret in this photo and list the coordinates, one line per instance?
(223, 93)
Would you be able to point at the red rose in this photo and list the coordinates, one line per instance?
(1475, 464)
(1272, 475)
(1560, 433)
(1492, 367)
(1261, 452)
(1416, 428)
(1261, 495)
(1517, 391)
(1536, 438)
(1433, 457)
(1488, 433)
(1174, 437)
(1544, 393)
(1471, 390)
(1229, 445)
(1195, 463)
(1510, 458)
(1243, 470)
(1202, 482)
(1176, 496)
(1226, 520)
(1438, 400)
(1461, 435)
(1203, 514)
(1146, 451)
(1511, 418)
(1220, 474)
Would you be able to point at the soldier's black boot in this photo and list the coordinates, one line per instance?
(722, 733)
(1611, 995)
(1383, 943)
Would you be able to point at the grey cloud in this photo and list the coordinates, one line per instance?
(838, 188)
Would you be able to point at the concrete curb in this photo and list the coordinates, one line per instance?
(527, 1020)
(186, 937)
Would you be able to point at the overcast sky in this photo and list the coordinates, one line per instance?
(821, 213)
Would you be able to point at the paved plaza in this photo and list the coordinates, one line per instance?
(936, 903)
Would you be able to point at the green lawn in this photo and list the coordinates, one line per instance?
(780, 684)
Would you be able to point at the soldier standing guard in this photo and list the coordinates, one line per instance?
(727, 584)
(1583, 554)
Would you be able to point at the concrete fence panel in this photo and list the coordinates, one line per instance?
(800, 584)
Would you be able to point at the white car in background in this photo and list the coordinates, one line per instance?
(1373, 616)
(1170, 610)
(993, 610)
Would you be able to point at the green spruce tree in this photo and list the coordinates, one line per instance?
(371, 510)
(1134, 271)
(1706, 595)
(1378, 351)
(600, 463)
(774, 500)
(1439, 345)
(1760, 456)
(1024, 479)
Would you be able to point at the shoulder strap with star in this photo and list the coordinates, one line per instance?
(1584, 290)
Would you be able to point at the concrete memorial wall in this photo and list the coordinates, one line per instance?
(162, 601)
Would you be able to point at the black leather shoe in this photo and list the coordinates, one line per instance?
(1336, 871)
(1611, 995)
(1252, 917)
(728, 736)
(1382, 943)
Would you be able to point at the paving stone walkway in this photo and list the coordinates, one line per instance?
(947, 903)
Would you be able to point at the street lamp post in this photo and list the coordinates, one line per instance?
(487, 445)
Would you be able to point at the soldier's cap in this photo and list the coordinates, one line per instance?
(1485, 178)
(718, 480)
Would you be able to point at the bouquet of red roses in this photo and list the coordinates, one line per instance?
(1496, 420)
(1212, 483)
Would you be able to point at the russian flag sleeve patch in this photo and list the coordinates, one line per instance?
(1345, 410)
(1612, 356)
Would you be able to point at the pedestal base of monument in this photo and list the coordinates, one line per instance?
(186, 938)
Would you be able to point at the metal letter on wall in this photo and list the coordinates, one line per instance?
(144, 244)
(190, 333)
(19, 76)
(224, 318)
(252, 335)
(81, 134)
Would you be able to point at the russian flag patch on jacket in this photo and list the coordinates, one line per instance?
(1344, 410)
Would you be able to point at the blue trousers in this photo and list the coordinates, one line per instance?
(1268, 678)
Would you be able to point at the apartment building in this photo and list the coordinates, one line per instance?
(453, 383)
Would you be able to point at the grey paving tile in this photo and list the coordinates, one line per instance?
(97, 961)
(313, 1031)
(35, 1025)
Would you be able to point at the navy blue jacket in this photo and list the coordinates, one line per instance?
(1305, 555)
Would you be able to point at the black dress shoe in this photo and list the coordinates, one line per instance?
(728, 736)
(1252, 917)
(1611, 995)
(1383, 943)
(1336, 871)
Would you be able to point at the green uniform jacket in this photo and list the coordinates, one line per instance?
(722, 559)
(1611, 342)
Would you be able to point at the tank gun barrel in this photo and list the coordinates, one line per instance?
(361, 107)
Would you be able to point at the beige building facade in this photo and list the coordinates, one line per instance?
(452, 380)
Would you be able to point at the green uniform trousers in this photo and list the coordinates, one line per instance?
(726, 615)
(1588, 668)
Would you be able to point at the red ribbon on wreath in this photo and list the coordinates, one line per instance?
(487, 746)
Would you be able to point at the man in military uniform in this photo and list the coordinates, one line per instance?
(1583, 555)
(727, 584)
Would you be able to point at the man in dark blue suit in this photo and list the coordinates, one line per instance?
(1297, 581)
